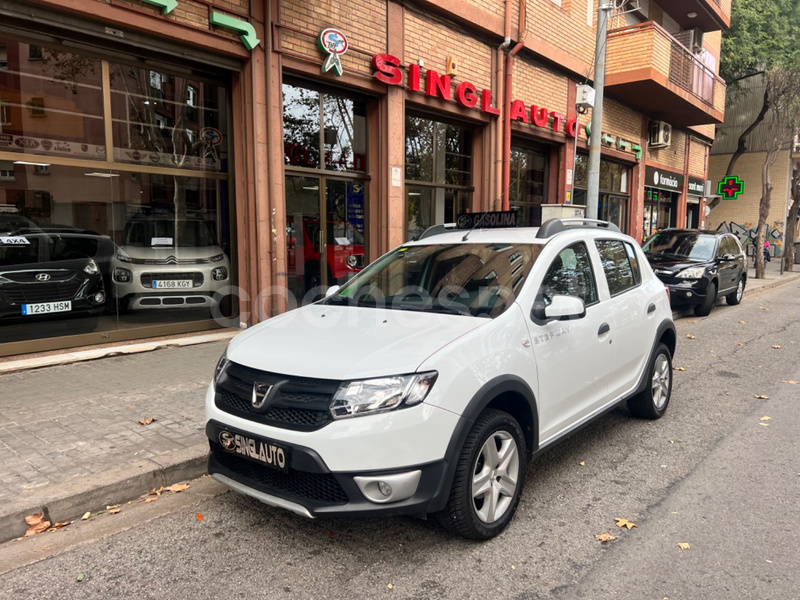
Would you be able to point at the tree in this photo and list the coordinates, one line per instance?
(763, 35)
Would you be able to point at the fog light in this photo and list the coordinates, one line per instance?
(219, 273)
(385, 488)
(352, 261)
(122, 275)
(381, 489)
(99, 297)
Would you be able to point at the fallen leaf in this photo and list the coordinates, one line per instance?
(60, 525)
(672, 441)
(153, 499)
(113, 506)
(625, 523)
(762, 397)
(777, 347)
(147, 421)
(582, 463)
(764, 424)
(131, 406)
(765, 418)
(178, 487)
(789, 381)
(763, 308)
(742, 322)
(605, 537)
(683, 545)
(741, 343)
(114, 511)
(678, 368)
(79, 577)
(198, 516)
(86, 515)
(36, 524)
(390, 586)
(690, 336)
(513, 568)
(157, 492)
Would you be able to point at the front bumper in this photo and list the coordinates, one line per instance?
(309, 488)
(686, 291)
(138, 289)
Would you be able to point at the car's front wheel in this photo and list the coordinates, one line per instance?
(735, 298)
(704, 309)
(489, 477)
(653, 401)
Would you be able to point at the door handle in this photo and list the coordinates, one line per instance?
(651, 309)
(604, 328)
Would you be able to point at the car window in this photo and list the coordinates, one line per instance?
(723, 248)
(570, 274)
(681, 244)
(621, 273)
(478, 279)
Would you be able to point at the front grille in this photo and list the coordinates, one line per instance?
(300, 404)
(147, 278)
(319, 487)
(50, 291)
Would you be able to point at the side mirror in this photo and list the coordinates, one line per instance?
(332, 290)
(561, 308)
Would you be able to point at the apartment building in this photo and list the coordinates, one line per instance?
(220, 161)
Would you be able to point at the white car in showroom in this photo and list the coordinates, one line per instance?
(427, 383)
(164, 262)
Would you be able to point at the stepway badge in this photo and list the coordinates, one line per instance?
(332, 42)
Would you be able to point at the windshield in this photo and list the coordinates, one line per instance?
(681, 245)
(35, 248)
(168, 233)
(465, 279)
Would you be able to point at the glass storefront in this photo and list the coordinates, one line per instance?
(94, 240)
(660, 211)
(528, 189)
(438, 181)
(325, 151)
(614, 197)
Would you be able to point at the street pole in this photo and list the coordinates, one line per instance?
(595, 141)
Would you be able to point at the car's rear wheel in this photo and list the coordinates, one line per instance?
(702, 310)
(735, 297)
(489, 477)
(653, 401)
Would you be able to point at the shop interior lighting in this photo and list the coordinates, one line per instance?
(32, 164)
(691, 15)
(97, 174)
(313, 188)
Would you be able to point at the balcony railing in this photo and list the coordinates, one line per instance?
(645, 54)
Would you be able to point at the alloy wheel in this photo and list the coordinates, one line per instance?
(495, 477)
(660, 381)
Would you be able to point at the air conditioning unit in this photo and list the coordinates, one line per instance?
(696, 45)
(660, 135)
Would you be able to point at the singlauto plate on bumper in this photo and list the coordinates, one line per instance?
(262, 451)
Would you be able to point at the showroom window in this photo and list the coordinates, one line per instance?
(438, 172)
(528, 185)
(122, 206)
(614, 198)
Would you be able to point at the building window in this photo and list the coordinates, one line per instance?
(35, 52)
(614, 197)
(528, 186)
(438, 172)
(36, 106)
(5, 114)
(3, 57)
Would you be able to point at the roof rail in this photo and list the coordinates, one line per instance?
(436, 230)
(553, 226)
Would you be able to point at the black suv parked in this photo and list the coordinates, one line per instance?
(698, 266)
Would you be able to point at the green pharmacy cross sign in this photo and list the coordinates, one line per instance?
(730, 188)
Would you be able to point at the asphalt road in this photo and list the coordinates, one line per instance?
(711, 474)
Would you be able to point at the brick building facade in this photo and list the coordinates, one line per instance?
(304, 173)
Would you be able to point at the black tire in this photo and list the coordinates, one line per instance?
(702, 310)
(653, 401)
(469, 515)
(735, 297)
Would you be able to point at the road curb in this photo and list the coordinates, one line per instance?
(69, 500)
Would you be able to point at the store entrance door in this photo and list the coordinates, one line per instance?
(324, 234)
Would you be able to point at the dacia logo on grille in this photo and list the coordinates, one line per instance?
(260, 394)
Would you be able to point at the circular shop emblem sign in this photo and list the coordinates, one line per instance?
(656, 179)
(334, 43)
(464, 222)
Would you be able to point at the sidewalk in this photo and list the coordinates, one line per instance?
(70, 435)
(772, 277)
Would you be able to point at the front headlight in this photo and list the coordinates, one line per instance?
(370, 396)
(352, 261)
(123, 256)
(91, 268)
(222, 366)
(691, 273)
(216, 258)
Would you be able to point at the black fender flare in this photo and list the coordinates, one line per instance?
(665, 326)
